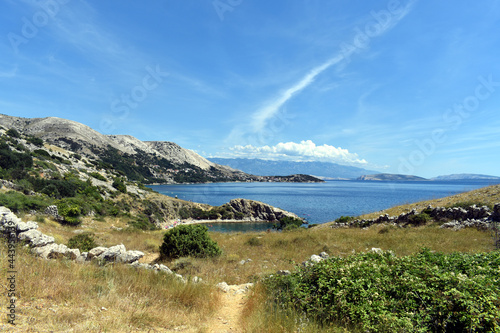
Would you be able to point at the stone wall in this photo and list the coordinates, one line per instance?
(44, 246)
(456, 218)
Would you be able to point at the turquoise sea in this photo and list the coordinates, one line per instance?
(319, 202)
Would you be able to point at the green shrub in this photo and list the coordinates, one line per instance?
(36, 141)
(371, 292)
(18, 202)
(70, 210)
(344, 219)
(83, 242)
(419, 219)
(254, 241)
(13, 133)
(288, 223)
(98, 176)
(188, 240)
(120, 185)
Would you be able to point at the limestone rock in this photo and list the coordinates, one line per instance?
(165, 269)
(35, 238)
(223, 286)
(129, 256)
(258, 211)
(112, 253)
(25, 226)
(53, 251)
(96, 251)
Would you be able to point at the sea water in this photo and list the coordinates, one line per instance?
(319, 202)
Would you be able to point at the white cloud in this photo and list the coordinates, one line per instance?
(306, 150)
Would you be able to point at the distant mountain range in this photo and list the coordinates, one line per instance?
(396, 177)
(324, 170)
(393, 177)
(465, 176)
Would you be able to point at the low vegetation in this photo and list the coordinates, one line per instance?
(380, 292)
(188, 240)
(432, 280)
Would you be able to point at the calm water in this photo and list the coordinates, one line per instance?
(319, 202)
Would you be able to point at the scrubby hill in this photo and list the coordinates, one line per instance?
(144, 161)
(35, 175)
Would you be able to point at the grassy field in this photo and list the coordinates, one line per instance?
(117, 298)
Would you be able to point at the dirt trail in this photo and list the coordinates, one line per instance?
(227, 318)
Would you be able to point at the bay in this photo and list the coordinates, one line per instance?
(320, 202)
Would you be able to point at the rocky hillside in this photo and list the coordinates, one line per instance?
(41, 178)
(144, 161)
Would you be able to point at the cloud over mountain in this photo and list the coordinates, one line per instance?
(306, 150)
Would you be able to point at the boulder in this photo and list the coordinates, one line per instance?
(112, 253)
(165, 269)
(129, 256)
(315, 259)
(73, 254)
(495, 216)
(96, 251)
(25, 226)
(35, 238)
(223, 286)
(54, 251)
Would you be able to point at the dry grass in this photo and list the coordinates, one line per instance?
(53, 294)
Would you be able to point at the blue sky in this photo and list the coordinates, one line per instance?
(398, 86)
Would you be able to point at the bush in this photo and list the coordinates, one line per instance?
(371, 292)
(13, 133)
(120, 185)
(36, 141)
(83, 242)
(188, 240)
(18, 202)
(419, 219)
(98, 176)
(288, 223)
(254, 241)
(344, 219)
(70, 210)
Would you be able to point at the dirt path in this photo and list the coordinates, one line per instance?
(228, 317)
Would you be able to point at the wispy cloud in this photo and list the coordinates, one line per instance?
(261, 117)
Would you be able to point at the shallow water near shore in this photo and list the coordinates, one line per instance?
(318, 202)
